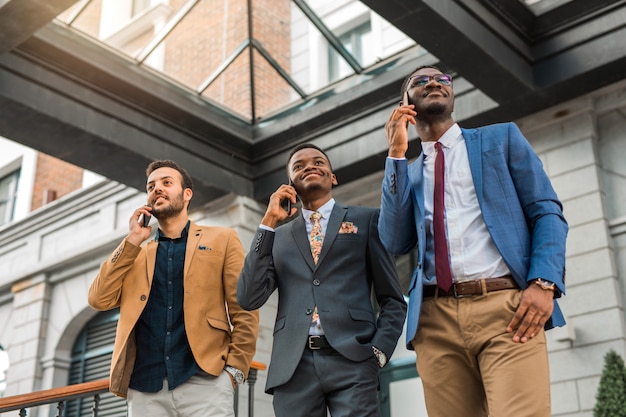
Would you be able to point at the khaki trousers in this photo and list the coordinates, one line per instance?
(469, 364)
(202, 395)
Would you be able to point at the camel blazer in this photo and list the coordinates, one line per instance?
(353, 266)
(519, 206)
(217, 337)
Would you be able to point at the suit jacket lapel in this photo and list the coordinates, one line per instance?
(299, 234)
(193, 240)
(151, 250)
(474, 153)
(332, 230)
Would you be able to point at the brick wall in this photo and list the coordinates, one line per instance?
(55, 178)
(208, 36)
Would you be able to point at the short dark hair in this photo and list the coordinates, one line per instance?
(166, 163)
(307, 146)
(408, 77)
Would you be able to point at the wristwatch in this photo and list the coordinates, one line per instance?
(236, 373)
(381, 358)
(545, 285)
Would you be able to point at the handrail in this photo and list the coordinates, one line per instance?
(48, 396)
(85, 389)
(396, 370)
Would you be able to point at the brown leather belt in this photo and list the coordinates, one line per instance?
(475, 287)
(318, 342)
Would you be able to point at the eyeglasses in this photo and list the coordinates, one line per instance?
(422, 80)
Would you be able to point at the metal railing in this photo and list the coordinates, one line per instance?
(60, 396)
(396, 370)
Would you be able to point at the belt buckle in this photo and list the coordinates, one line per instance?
(456, 294)
(311, 338)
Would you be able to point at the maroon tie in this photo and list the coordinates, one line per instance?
(442, 263)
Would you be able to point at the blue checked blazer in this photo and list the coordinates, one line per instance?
(519, 206)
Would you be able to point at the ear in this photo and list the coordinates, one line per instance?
(333, 180)
(187, 194)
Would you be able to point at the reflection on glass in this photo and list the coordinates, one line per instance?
(251, 62)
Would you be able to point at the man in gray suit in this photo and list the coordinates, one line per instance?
(329, 341)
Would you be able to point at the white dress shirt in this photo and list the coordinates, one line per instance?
(473, 254)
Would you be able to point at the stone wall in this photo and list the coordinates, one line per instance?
(50, 258)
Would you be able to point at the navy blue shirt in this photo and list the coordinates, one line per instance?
(163, 350)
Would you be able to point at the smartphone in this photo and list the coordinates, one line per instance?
(145, 220)
(286, 203)
(405, 98)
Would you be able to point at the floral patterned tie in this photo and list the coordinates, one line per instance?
(316, 238)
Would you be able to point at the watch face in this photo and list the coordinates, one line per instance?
(382, 360)
(239, 377)
(236, 374)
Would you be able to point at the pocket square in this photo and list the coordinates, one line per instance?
(348, 227)
(202, 247)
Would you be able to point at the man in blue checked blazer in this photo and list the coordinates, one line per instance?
(329, 338)
(479, 340)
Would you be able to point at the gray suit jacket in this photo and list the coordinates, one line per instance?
(351, 264)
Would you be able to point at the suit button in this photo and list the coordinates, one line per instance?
(309, 311)
(143, 298)
(316, 282)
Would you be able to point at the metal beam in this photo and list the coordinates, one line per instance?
(464, 43)
(20, 19)
(102, 114)
(522, 72)
(66, 96)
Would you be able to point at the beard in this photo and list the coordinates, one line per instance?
(435, 109)
(175, 207)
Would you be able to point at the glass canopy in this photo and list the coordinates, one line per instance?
(253, 57)
(542, 6)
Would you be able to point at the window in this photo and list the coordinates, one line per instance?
(354, 41)
(8, 195)
(91, 361)
(139, 6)
(4, 366)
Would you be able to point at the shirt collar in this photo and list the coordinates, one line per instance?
(451, 137)
(183, 233)
(325, 210)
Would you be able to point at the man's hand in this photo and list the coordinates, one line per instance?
(275, 213)
(532, 314)
(136, 232)
(396, 130)
(232, 380)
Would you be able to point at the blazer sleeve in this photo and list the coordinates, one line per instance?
(542, 209)
(397, 221)
(257, 280)
(105, 292)
(245, 324)
(387, 290)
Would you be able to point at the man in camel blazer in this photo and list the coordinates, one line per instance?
(157, 351)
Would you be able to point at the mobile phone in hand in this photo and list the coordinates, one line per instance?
(405, 98)
(286, 203)
(145, 220)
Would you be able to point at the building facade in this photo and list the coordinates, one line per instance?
(58, 222)
(50, 257)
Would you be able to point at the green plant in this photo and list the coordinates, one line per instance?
(611, 396)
